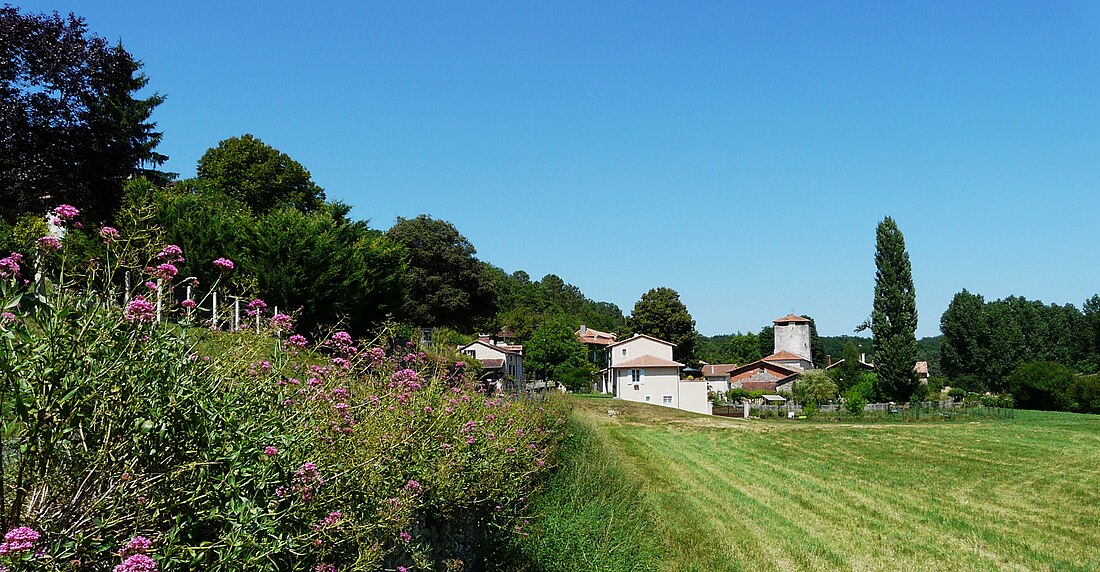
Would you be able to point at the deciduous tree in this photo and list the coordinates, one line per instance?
(447, 284)
(71, 128)
(259, 176)
(661, 314)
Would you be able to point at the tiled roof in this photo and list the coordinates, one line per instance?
(718, 369)
(790, 318)
(596, 337)
(921, 367)
(648, 361)
(635, 336)
(758, 386)
(490, 363)
(785, 355)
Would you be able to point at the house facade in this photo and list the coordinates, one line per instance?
(718, 376)
(501, 362)
(642, 369)
(778, 371)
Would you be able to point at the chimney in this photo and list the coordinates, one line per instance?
(828, 360)
(483, 339)
(862, 357)
(584, 330)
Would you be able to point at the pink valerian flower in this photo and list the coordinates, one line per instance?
(19, 539)
(66, 212)
(9, 265)
(137, 545)
(50, 243)
(165, 271)
(108, 234)
(270, 451)
(139, 310)
(151, 285)
(171, 253)
(405, 537)
(306, 479)
(7, 318)
(137, 563)
(282, 322)
(330, 521)
(188, 304)
(224, 264)
(325, 567)
(297, 340)
(256, 306)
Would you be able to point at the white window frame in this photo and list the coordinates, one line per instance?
(666, 400)
(649, 399)
(637, 376)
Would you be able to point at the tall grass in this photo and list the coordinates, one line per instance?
(591, 515)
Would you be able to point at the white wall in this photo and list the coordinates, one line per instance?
(794, 337)
(637, 347)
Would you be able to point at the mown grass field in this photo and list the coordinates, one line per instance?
(725, 494)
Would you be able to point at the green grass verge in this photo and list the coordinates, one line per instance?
(591, 515)
(1006, 494)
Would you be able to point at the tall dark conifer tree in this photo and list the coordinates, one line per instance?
(894, 317)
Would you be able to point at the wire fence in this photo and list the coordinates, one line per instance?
(903, 412)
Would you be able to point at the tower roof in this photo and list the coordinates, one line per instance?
(790, 318)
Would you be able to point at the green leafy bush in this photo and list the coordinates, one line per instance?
(1041, 385)
(854, 401)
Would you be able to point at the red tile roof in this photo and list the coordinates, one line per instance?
(490, 363)
(648, 361)
(758, 386)
(785, 355)
(596, 337)
(643, 336)
(921, 367)
(790, 318)
(718, 369)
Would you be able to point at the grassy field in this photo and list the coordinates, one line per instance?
(726, 494)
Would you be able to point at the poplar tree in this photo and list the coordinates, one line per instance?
(894, 317)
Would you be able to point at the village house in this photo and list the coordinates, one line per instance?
(778, 371)
(642, 369)
(920, 368)
(718, 376)
(596, 342)
(501, 362)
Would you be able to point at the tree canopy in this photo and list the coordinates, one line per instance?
(447, 284)
(661, 314)
(259, 175)
(894, 316)
(71, 128)
(555, 353)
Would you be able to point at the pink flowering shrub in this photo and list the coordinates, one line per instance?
(178, 448)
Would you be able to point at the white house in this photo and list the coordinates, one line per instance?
(500, 361)
(642, 369)
(718, 376)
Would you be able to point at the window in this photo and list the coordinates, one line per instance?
(468, 352)
(648, 398)
(666, 400)
(636, 375)
(624, 351)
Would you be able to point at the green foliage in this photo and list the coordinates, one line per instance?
(815, 387)
(894, 317)
(524, 304)
(1084, 394)
(849, 372)
(661, 314)
(325, 268)
(73, 130)
(447, 285)
(987, 341)
(854, 401)
(1041, 385)
(555, 353)
(258, 176)
(766, 339)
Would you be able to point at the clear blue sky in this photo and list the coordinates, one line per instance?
(739, 153)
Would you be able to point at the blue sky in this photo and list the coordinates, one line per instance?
(739, 153)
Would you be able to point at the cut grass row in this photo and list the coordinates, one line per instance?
(1012, 494)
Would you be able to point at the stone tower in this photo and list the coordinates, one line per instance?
(792, 334)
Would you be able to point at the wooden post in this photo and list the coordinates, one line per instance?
(214, 309)
(236, 313)
(188, 310)
(159, 282)
(126, 285)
